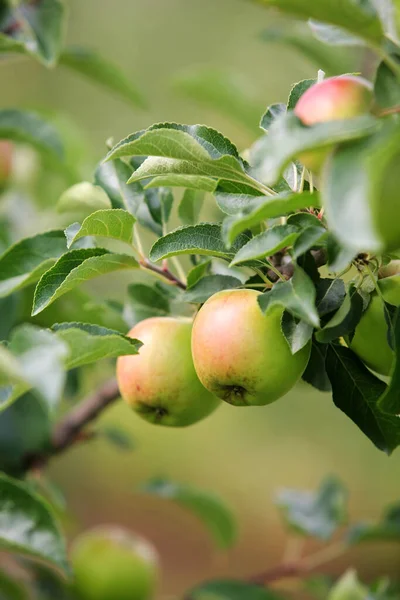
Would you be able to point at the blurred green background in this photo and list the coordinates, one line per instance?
(244, 455)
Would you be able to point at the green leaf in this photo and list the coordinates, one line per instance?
(89, 343)
(212, 512)
(29, 128)
(84, 198)
(112, 223)
(103, 72)
(297, 91)
(315, 373)
(308, 239)
(345, 320)
(267, 243)
(230, 590)
(388, 528)
(190, 206)
(254, 210)
(356, 16)
(334, 36)
(330, 295)
(203, 239)
(117, 437)
(356, 392)
(28, 526)
(72, 269)
(197, 273)
(208, 286)
(45, 20)
(26, 261)
(339, 257)
(387, 88)
(317, 514)
(288, 138)
(390, 401)
(224, 91)
(297, 333)
(359, 192)
(272, 112)
(200, 183)
(12, 589)
(159, 202)
(349, 588)
(296, 295)
(145, 302)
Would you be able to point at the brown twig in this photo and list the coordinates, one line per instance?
(163, 272)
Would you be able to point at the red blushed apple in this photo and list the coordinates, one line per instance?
(333, 99)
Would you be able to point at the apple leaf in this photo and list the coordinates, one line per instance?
(315, 373)
(101, 71)
(72, 269)
(345, 320)
(330, 295)
(356, 391)
(387, 529)
(26, 261)
(387, 89)
(208, 508)
(390, 401)
(208, 286)
(28, 525)
(297, 332)
(12, 589)
(203, 239)
(273, 111)
(296, 295)
(230, 590)
(30, 128)
(334, 36)
(45, 21)
(197, 273)
(110, 223)
(190, 206)
(267, 243)
(298, 90)
(84, 198)
(144, 302)
(317, 514)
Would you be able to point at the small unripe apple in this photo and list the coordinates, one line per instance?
(370, 340)
(240, 354)
(6, 160)
(389, 282)
(335, 98)
(160, 382)
(111, 563)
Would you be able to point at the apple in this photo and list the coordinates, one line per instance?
(111, 562)
(240, 354)
(6, 160)
(335, 98)
(370, 341)
(389, 282)
(160, 382)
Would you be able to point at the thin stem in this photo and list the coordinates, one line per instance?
(164, 273)
(293, 550)
(302, 180)
(180, 270)
(268, 283)
(311, 182)
(295, 177)
(272, 268)
(324, 556)
(393, 110)
(138, 241)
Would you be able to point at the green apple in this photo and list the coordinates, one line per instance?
(240, 354)
(335, 98)
(389, 282)
(160, 382)
(111, 563)
(370, 340)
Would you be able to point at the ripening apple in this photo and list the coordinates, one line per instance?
(160, 382)
(6, 159)
(335, 98)
(240, 354)
(389, 282)
(370, 341)
(110, 562)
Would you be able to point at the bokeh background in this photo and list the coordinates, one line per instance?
(244, 455)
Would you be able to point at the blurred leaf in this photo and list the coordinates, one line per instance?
(230, 590)
(317, 514)
(72, 269)
(223, 91)
(273, 111)
(357, 16)
(213, 513)
(309, 238)
(315, 373)
(345, 320)
(101, 71)
(318, 586)
(330, 295)
(388, 528)
(356, 392)
(197, 273)
(11, 588)
(334, 36)
(390, 401)
(288, 138)
(267, 243)
(297, 91)
(200, 183)
(46, 23)
(297, 333)
(117, 437)
(208, 286)
(387, 89)
(359, 180)
(26, 261)
(27, 525)
(112, 223)
(190, 206)
(145, 302)
(349, 588)
(255, 210)
(83, 197)
(30, 128)
(296, 295)
(159, 202)
(89, 343)
(203, 239)
(339, 257)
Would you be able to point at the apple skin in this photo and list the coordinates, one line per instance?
(240, 354)
(160, 382)
(111, 562)
(389, 282)
(370, 339)
(335, 98)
